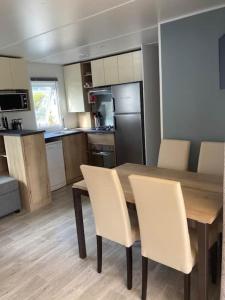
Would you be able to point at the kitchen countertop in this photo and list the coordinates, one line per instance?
(53, 134)
(92, 130)
(56, 134)
(60, 133)
(19, 132)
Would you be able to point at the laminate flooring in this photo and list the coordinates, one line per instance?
(39, 260)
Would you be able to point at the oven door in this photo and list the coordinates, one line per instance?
(101, 155)
(103, 159)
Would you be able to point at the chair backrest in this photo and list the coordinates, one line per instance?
(211, 158)
(174, 154)
(162, 222)
(108, 203)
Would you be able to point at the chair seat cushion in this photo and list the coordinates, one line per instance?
(80, 185)
(7, 184)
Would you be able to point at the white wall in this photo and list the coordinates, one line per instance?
(46, 70)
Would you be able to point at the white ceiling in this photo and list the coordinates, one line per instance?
(64, 31)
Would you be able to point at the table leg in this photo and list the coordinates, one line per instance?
(203, 267)
(79, 222)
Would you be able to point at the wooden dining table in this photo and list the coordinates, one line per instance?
(203, 198)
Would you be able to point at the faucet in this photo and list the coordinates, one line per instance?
(63, 123)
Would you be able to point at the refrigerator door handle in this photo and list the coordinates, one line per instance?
(113, 100)
(114, 122)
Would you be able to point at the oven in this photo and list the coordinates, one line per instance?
(101, 155)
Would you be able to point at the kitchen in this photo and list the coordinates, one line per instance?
(90, 125)
(112, 149)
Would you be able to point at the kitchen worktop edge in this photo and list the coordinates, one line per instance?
(20, 132)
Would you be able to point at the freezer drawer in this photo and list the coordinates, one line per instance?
(129, 139)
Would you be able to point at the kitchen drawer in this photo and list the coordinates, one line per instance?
(101, 138)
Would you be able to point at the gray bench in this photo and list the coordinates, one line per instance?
(9, 196)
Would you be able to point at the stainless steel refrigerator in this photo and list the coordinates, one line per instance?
(128, 122)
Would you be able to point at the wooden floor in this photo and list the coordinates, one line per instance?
(39, 260)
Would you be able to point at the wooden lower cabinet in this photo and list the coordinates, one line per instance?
(3, 160)
(26, 159)
(75, 154)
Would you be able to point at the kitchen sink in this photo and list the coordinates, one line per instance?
(59, 133)
(65, 131)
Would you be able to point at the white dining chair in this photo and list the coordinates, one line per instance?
(211, 158)
(174, 154)
(165, 237)
(112, 219)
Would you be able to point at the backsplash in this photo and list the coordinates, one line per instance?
(84, 120)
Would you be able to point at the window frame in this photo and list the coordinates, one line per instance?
(43, 81)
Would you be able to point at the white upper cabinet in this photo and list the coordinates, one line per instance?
(74, 88)
(13, 74)
(137, 65)
(111, 70)
(5, 74)
(125, 68)
(20, 78)
(117, 69)
(98, 72)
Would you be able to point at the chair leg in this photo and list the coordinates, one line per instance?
(144, 277)
(129, 267)
(220, 239)
(220, 252)
(187, 286)
(99, 253)
(214, 256)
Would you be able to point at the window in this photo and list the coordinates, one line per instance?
(46, 104)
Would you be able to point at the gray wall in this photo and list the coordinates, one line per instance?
(151, 102)
(193, 104)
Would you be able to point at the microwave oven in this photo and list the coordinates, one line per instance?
(14, 100)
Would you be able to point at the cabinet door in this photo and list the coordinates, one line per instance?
(74, 88)
(5, 74)
(137, 65)
(75, 154)
(36, 170)
(111, 70)
(26, 157)
(20, 78)
(101, 139)
(97, 71)
(125, 68)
